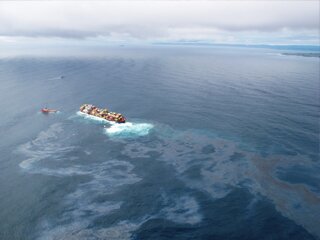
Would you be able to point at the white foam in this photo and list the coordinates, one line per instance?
(94, 118)
(129, 129)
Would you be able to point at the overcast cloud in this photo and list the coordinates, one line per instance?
(216, 21)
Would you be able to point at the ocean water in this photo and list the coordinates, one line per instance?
(220, 143)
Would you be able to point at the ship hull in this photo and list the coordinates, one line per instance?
(101, 118)
(104, 114)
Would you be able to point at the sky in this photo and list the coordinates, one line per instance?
(99, 22)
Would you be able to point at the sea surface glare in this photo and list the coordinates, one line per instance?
(220, 143)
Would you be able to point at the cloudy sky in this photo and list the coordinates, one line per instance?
(249, 22)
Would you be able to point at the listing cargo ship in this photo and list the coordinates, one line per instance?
(102, 113)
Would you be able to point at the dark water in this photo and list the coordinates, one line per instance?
(220, 144)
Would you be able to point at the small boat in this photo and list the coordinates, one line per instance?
(47, 110)
(102, 113)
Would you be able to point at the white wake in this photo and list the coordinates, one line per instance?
(128, 129)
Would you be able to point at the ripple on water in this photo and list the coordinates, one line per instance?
(182, 210)
(82, 206)
(223, 166)
(208, 164)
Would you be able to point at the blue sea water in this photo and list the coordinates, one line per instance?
(220, 143)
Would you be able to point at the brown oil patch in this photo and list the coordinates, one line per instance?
(295, 201)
